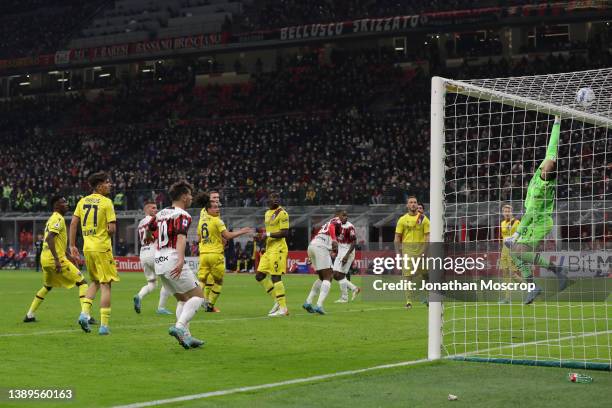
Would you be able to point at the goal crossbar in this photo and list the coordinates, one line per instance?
(513, 100)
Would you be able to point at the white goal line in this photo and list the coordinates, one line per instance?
(531, 343)
(327, 376)
(270, 385)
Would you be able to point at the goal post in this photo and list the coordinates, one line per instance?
(488, 138)
(436, 204)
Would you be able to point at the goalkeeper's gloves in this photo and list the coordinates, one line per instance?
(509, 242)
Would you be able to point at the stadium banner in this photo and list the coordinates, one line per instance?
(580, 264)
(148, 48)
(62, 57)
(392, 24)
(297, 262)
(132, 263)
(366, 25)
(45, 60)
(398, 24)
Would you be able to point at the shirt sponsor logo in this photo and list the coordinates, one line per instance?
(161, 259)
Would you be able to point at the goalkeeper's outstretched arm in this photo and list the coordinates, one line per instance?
(549, 165)
(549, 172)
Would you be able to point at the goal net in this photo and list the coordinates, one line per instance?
(489, 138)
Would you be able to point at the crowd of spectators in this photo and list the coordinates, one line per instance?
(298, 84)
(11, 259)
(496, 162)
(342, 159)
(353, 129)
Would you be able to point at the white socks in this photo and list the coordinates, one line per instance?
(188, 310)
(343, 289)
(179, 309)
(350, 284)
(146, 289)
(313, 292)
(163, 297)
(345, 285)
(164, 294)
(325, 285)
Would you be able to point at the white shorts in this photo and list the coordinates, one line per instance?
(338, 267)
(187, 280)
(182, 284)
(320, 257)
(147, 260)
(148, 266)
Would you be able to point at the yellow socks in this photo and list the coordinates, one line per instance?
(105, 315)
(268, 286)
(40, 296)
(82, 291)
(215, 291)
(279, 290)
(86, 306)
(208, 285)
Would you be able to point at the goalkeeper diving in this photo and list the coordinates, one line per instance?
(537, 222)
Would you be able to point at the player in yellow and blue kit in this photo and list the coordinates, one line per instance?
(95, 214)
(508, 269)
(412, 239)
(212, 231)
(58, 270)
(206, 280)
(273, 263)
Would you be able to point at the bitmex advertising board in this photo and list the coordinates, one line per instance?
(581, 263)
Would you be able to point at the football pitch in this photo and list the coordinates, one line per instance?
(348, 357)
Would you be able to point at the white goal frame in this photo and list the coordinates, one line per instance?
(439, 89)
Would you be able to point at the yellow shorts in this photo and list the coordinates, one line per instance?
(69, 276)
(274, 263)
(420, 270)
(101, 266)
(213, 264)
(506, 263)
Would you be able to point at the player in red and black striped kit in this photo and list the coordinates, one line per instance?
(319, 254)
(172, 224)
(347, 240)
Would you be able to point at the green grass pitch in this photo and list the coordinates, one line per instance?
(140, 362)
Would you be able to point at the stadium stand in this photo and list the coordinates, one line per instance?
(31, 27)
(263, 14)
(309, 109)
(137, 20)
